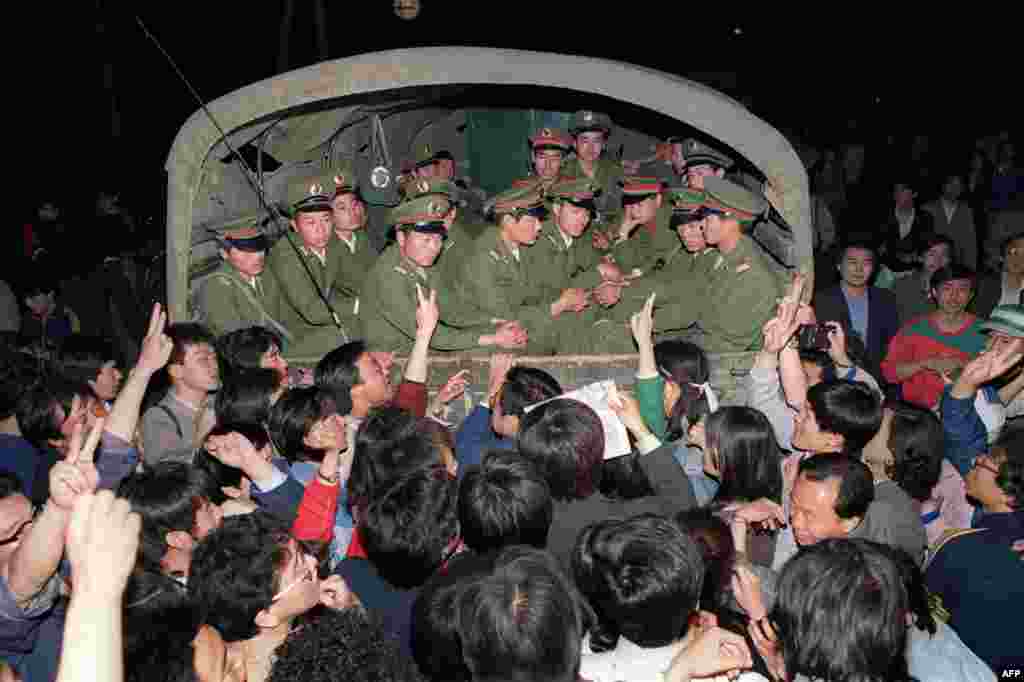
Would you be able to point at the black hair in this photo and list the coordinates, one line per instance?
(524, 622)
(749, 461)
(10, 484)
(1010, 478)
(953, 271)
(186, 334)
(338, 371)
(243, 403)
(686, 365)
(841, 612)
(714, 540)
(36, 410)
(565, 440)
(624, 478)
(244, 348)
(849, 409)
(389, 445)
(917, 443)
(855, 242)
(856, 484)
(932, 239)
(504, 501)
(160, 625)
(293, 416)
(82, 357)
(17, 371)
(409, 528)
(643, 578)
(526, 386)
(214, 476)
(436, 646)
(820, 358)
(346, 644)
(236, 571)
(166, 497)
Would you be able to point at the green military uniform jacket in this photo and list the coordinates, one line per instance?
(458, 244)
(607, 175)
(225, 302)
(492, 282)
(557, 266)
(645, 251)
(387, 309)
(739, 295)
(301, 309)
(355, 264)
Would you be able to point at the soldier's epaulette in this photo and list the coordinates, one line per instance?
(554, 241)
(497, 257)
(719, 262)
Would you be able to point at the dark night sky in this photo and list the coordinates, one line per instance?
(937, 75)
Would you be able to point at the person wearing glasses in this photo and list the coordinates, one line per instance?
(251, 579)
(975, 572)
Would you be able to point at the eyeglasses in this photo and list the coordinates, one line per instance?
(307, 577)
(20, 530)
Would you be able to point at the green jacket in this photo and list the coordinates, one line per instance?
(645, 251)
(557, 267)
(387, 309)
(301, 309)
(457, 246)
(354, 264)
(739, 295)
(607, 175)
(226, 302)
(493, 283)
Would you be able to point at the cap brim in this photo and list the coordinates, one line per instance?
(433, 227)
(255, 244)
(703, 160)
(314, 206)
(591, 129)
(628, 199)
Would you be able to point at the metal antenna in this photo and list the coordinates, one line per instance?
(246, 171)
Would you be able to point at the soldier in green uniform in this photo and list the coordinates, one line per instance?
(742, 286)
(305, 264)
(590, 131)
(389, 298)
(699, 161)
(641, 241)
(357, 255)
(496, 278)
(461, 232)
(431, 164)
(237, 295)
(548, 148)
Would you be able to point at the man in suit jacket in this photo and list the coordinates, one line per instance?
(955, 219)
(902, 229)
(866, 312)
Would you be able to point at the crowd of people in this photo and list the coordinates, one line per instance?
(252, 497)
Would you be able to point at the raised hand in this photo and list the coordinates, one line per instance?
(767, 643)
(427, 312)
(232, 449)
(642, 322)
(746, 588)
(157, 346)
(837, 344)
(335, 594)
(511, 335)
(76, 474)
(102, 541)
(627, 409)
(714, 651)
(989, 365)
(454, 388)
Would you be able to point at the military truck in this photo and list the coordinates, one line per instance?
(480, 104)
